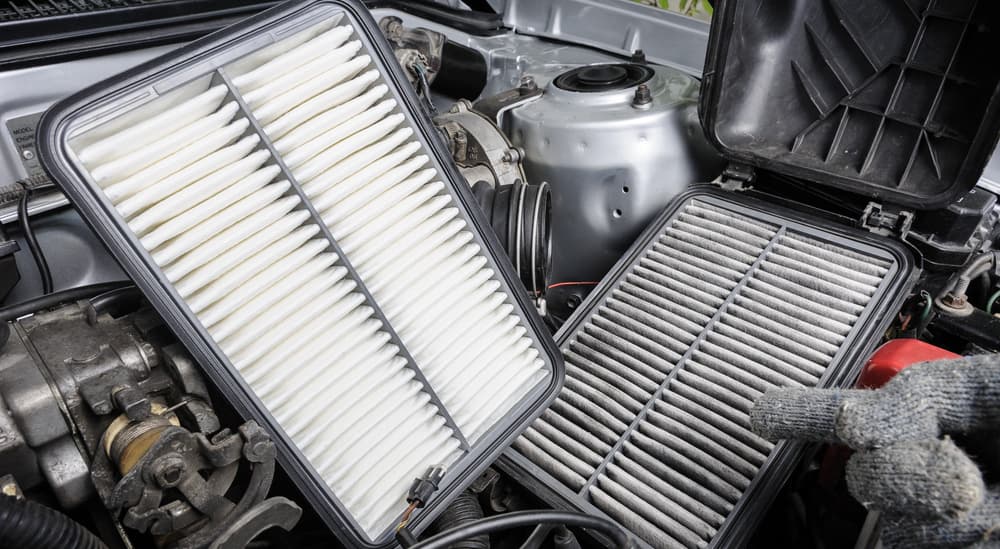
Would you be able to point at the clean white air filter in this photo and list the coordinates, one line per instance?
(286, 211)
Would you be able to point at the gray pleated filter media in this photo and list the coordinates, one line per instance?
(280, 197)
(717, 302)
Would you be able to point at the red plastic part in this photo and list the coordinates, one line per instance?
(895, 356)
(887, 361)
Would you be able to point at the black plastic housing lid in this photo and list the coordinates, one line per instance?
(894, 99)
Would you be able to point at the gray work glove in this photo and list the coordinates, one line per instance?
(930, 492)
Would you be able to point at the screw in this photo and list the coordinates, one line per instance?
(28, 154)
(528, 83)
(638, 56)
(643, 97)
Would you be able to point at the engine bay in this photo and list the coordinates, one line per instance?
(362, 274)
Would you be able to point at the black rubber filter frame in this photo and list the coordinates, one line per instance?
(204, 57)
(864, 337)
(894, 99)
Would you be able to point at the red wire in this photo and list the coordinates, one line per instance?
(561, 284)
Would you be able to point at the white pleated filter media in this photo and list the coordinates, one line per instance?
(207, 197)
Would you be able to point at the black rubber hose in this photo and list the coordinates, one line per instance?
(464, 510)
(521, 215)
(48, 301)
(619, 539)
(27, 524)
(117, 302)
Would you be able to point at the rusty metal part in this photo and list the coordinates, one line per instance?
(113, 405)
(177, 488)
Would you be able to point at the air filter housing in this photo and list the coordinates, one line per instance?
(721, 298)
(277, 195)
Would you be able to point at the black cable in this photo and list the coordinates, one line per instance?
(518, 519)
(48, 301)
(29, 236)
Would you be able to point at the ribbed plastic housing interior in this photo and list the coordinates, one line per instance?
(290, 203)
(892, 98)
(718, 304)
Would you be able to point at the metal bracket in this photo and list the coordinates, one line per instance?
(495, 106)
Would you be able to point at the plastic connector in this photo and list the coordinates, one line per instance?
(424, 487)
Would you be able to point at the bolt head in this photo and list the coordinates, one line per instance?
(953, 305)
(953, 300)
(170, 471)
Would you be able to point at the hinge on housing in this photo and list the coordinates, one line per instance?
(736, 177)
(886, 220)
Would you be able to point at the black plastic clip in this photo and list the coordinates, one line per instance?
(424, 487)
(736, 177)
(886, 220)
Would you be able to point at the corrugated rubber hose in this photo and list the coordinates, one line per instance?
(462, 511)
(24, 523)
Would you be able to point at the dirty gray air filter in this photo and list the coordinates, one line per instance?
(720, 300)
(277, 195)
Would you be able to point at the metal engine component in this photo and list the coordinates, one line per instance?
(156, 457)
(481, 151)
(613, 161)
(105, 405)
(57, 371)
(520, 213)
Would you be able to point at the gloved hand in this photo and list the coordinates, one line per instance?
(931, 493)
